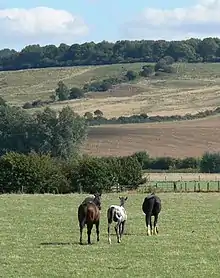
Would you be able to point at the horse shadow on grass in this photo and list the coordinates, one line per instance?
(58, 243)
(85, 243)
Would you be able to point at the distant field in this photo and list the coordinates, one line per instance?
(182, 177)
(176, 139)
(39, 238)
(194, 88)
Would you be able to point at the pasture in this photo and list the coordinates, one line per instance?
(40, 238)
(193, 88)
(175, 139)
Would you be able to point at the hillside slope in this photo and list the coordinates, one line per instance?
(193, 88)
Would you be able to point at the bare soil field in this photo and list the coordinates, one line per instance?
(176, 139)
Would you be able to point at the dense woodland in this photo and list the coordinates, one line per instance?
(36, 56)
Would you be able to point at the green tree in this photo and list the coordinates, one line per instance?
(2, 102)
(131, 75)
(43, 132)
(210, 163)
(147, 71)
(88, 115)
(98, 113)
(62, 91)
(75, 93)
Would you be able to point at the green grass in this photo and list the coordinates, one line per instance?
(39, 238)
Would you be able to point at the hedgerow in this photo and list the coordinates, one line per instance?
(40, 173)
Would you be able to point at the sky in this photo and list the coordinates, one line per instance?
(26, 22)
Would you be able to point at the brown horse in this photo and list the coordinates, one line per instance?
(89, 214)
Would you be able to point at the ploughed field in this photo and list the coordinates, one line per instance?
(39, 238)
(176, 139)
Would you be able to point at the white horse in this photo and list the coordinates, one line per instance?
(117, 214)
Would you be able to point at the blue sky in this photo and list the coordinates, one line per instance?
(97, 20)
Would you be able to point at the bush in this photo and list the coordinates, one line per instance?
(210, 163)
(162, 163)
(2, 102)
(76, 93)
(128, 171)
(143, 158)
(92, 175)
(101, 174)
(31, 173)
(131, 75)
(27, 105)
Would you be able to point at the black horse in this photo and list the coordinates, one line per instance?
(89, 214)
(151, 207)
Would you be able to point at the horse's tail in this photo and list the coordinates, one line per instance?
(82, 215)
(148, 204)
(112, 215)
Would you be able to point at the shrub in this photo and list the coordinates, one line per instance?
(162, 163)
(143, 158)
(2, 102)
(31, 173)
(27, 105)
(131, 75)
(92, 175)
(147, 71)
(101, 174)
(76, 93)
(210, 163)
(129, 172)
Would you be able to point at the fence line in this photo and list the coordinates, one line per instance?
(173, 186)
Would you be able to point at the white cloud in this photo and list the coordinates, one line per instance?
(199, 20)
(41, 25)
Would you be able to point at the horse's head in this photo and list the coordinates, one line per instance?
(122, 200)
(97, 200)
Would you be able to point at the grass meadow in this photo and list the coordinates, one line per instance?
(39, 238)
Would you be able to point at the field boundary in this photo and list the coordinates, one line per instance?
(173, 186)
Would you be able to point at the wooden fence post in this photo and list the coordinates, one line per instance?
(174, 186)
(195, 186)
(218, 186)
(207, 186)
(199, 189)
(185, 186)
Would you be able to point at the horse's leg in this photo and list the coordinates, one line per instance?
(122, 227)
(97, 230)
(155, 224)
(109, 236)
(117, 227)
(148, 220)
(151, 226)
(81, 231)
(89, 230)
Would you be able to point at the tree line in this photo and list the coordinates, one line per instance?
(40, 173)
(40, 153)
(97, 118)
(125, 51)
(47, 131)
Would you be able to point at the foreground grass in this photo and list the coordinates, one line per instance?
(39, 238)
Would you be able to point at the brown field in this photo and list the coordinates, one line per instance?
(176, 139)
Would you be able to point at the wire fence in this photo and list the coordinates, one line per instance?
(173, 186)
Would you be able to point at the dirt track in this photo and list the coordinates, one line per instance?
(176, 139)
